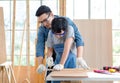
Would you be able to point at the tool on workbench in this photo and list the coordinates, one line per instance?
(48, 70)
(49, 66)
(110, 68)
(102, 71)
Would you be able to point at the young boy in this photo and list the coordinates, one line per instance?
(60, 31)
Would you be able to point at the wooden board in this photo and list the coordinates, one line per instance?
(70, 73)
(2, 38)
(97, 36)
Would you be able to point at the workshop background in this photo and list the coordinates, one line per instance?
(98, 22)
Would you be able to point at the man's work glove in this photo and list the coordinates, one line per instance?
(81, 63)
(58, 67)
(49, 61)
(41, 68)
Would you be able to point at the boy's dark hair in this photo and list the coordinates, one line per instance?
(42, 9)
(59, 24)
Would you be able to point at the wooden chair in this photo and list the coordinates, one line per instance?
(8, 70)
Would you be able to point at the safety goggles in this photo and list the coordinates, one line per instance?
(60, 34)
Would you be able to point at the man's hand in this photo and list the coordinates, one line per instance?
(58, 67)
(81, 63)
(41, 68)
(49, 61)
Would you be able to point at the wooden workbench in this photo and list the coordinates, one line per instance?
(80, 74)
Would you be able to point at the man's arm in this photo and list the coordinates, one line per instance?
(40, 45)
(80, 51)
(40, 60)
(79, 44)
(78, 38)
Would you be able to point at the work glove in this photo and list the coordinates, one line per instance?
(49, 61)
(41, 68)
(81, 63)
(58, 67)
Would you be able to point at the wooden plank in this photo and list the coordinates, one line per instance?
(73, 73)
(2, 38)
(28, 40)
(97, 35)
(62, 7)
(28, 32)
(13, 30)
(21, 48)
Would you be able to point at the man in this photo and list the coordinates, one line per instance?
(45, 17)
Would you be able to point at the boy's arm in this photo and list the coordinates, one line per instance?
(67, 47)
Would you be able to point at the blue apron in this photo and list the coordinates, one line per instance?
(71, 60)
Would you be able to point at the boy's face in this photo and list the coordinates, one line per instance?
(46, 19)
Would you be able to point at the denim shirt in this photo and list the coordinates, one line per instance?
(43, 34)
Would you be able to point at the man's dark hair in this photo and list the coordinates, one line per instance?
(42, 9)
(59, 24)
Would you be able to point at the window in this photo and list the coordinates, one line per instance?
(20, 28)
(99, 9)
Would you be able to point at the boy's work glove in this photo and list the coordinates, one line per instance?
(58, 67)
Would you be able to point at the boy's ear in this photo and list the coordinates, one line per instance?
(52, 14)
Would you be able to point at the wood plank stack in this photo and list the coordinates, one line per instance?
(2, 38)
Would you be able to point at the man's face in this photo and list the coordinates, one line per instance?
(46, 19)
